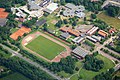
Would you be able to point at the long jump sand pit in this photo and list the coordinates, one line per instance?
(45, 47)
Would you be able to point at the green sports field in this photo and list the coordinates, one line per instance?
(45, 47)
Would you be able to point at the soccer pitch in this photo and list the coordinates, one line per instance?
(45, 47)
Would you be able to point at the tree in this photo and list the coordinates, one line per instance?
(62, 2)
(65, 21)
(74, 23)
(73, 46)
(30, 22)
(113, 11)
(93, 16)
(92, 63)
(45, 27)
(59, 23)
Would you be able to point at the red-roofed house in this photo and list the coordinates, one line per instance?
(3, 14)
(112, 30)
(102, 33)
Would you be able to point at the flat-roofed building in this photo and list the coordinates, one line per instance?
(51, 7)
(78, 40)
(92, 30)
(44, 3)
(79, 52)
(98, 38)
(91, 39)
(68, 13)
(72, 10)
(70, 6)
(65, 35)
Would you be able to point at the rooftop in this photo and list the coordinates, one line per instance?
(102, 33)
(65, 35)
(79, 51)
(3, 21)
(51, 7)
(70, 30)
(3, 14)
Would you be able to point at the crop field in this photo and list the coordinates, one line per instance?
(15, 76)
(45, 47)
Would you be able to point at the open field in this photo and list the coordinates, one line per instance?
(90, 74)
(45, 47)
(114, 22)
(15, 76)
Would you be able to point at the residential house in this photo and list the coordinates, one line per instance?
(3, 17)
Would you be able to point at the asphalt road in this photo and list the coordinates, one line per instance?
(104, 54)
(14, 53)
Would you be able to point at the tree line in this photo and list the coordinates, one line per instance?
(66, 64)
(23, 67)
(7, 4)
(92, 63)
(91, 6)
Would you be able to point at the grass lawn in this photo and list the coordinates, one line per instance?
(66, 75)
(45, 47)
(114, 22)
(14, 30)
(75, 77)
(91, 74)
(50, 18)
(63, 74)
(15, 76)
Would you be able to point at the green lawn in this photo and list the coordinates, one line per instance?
(75, 77)
(63, 74)
(90, 74)
(45, 47)
(66, 75)
(50, 18)
(15, 76)
(14, 30)
(114, 22)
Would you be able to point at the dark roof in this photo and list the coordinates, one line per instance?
(79, 51)
(65, 35)
(40, 22)
(3, 21)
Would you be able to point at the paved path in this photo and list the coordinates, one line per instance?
(31, 62)
(117, 67)
(104, 54)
